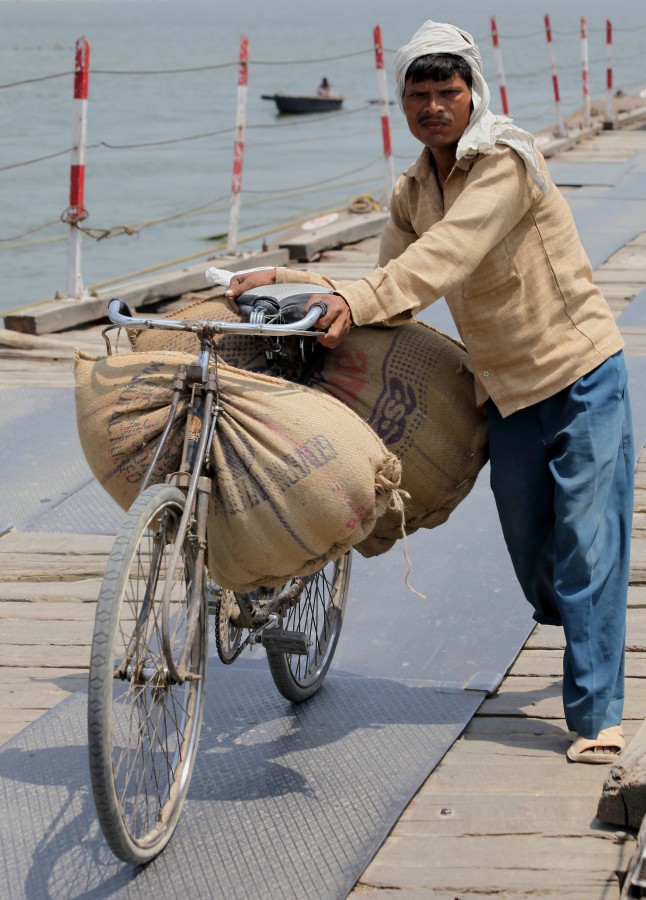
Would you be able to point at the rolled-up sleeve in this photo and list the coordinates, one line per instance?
(302, 276)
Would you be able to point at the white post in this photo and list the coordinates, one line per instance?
(560, 127)
(238, 149)
(585, 73)
(499, 67)
(609, 122)
(76, 211)
(382, 86)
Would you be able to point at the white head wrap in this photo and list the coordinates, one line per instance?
(484, 130)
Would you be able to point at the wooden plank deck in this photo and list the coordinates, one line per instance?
(504, 814)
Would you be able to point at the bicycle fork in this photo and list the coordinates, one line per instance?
(203, 416)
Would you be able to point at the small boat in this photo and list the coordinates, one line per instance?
(296, 104)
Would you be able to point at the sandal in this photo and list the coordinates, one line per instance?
(591, 750)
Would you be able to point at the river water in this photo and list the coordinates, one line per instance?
(161, 115)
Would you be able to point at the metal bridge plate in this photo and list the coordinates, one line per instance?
(47, 486)
(286, 801)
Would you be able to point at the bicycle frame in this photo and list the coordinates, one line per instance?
(149, 656)
(192, 475)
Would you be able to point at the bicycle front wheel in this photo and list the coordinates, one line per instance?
(319, 614)
(143, 728)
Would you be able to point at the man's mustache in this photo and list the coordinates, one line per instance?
(433, 119)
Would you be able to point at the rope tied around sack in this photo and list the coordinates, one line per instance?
(387, 482)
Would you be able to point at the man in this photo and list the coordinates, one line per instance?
(477, 219)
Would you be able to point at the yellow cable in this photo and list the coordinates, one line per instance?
(50, 240)
(181, 259)
(173, 262)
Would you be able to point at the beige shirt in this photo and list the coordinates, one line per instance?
(510, 264)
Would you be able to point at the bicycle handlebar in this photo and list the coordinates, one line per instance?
(119, 314)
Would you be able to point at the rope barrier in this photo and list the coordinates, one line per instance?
(193, 137)
(311, 118)
(192, 69)
(34, 80)
(37, 243)
(76, 216)
(210, 206)
(190, 137)
(30, 162)
(163, 143)
(601, 30)
(519, 37)
(294, 62)
(330, 180)
(179, 140)
(19, 237)
(204, 253)
(138, 72)
(317, 139)
(304, 62)
(631, 86)
(305, 190)
(519, 76)
(627, 56)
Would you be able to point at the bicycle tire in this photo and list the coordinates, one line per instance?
(320, 615)
(142, 730)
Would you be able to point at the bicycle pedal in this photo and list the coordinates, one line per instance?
(281, 641)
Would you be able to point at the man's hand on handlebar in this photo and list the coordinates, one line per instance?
(337, 320)
(244, 282)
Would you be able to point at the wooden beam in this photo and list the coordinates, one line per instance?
(57, 315)
(623, 798)
(308, 244)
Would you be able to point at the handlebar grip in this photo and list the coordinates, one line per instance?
(319, 304)
(118, 307)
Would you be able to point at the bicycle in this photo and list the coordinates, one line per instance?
(149, 654)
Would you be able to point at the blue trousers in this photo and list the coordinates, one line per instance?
(562, 473)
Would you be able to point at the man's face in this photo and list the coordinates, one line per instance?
(437, 112)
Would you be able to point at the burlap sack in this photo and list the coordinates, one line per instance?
(122, 405)
(300, 480)
(240, 350)
(411, 385)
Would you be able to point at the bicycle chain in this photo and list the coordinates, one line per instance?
(226, 658)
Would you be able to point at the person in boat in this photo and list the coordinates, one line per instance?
(478, 220)
(324, 89)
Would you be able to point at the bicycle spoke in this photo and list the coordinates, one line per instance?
(153, 721)
(319, 615)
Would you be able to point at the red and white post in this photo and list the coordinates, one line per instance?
(238, 149)
(609, 122)
(585, 73)
(76, 211)
(382, 87)
(499, 67)
(560, 125)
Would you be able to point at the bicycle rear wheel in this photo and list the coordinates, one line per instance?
(320, 615)
(143, 728)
